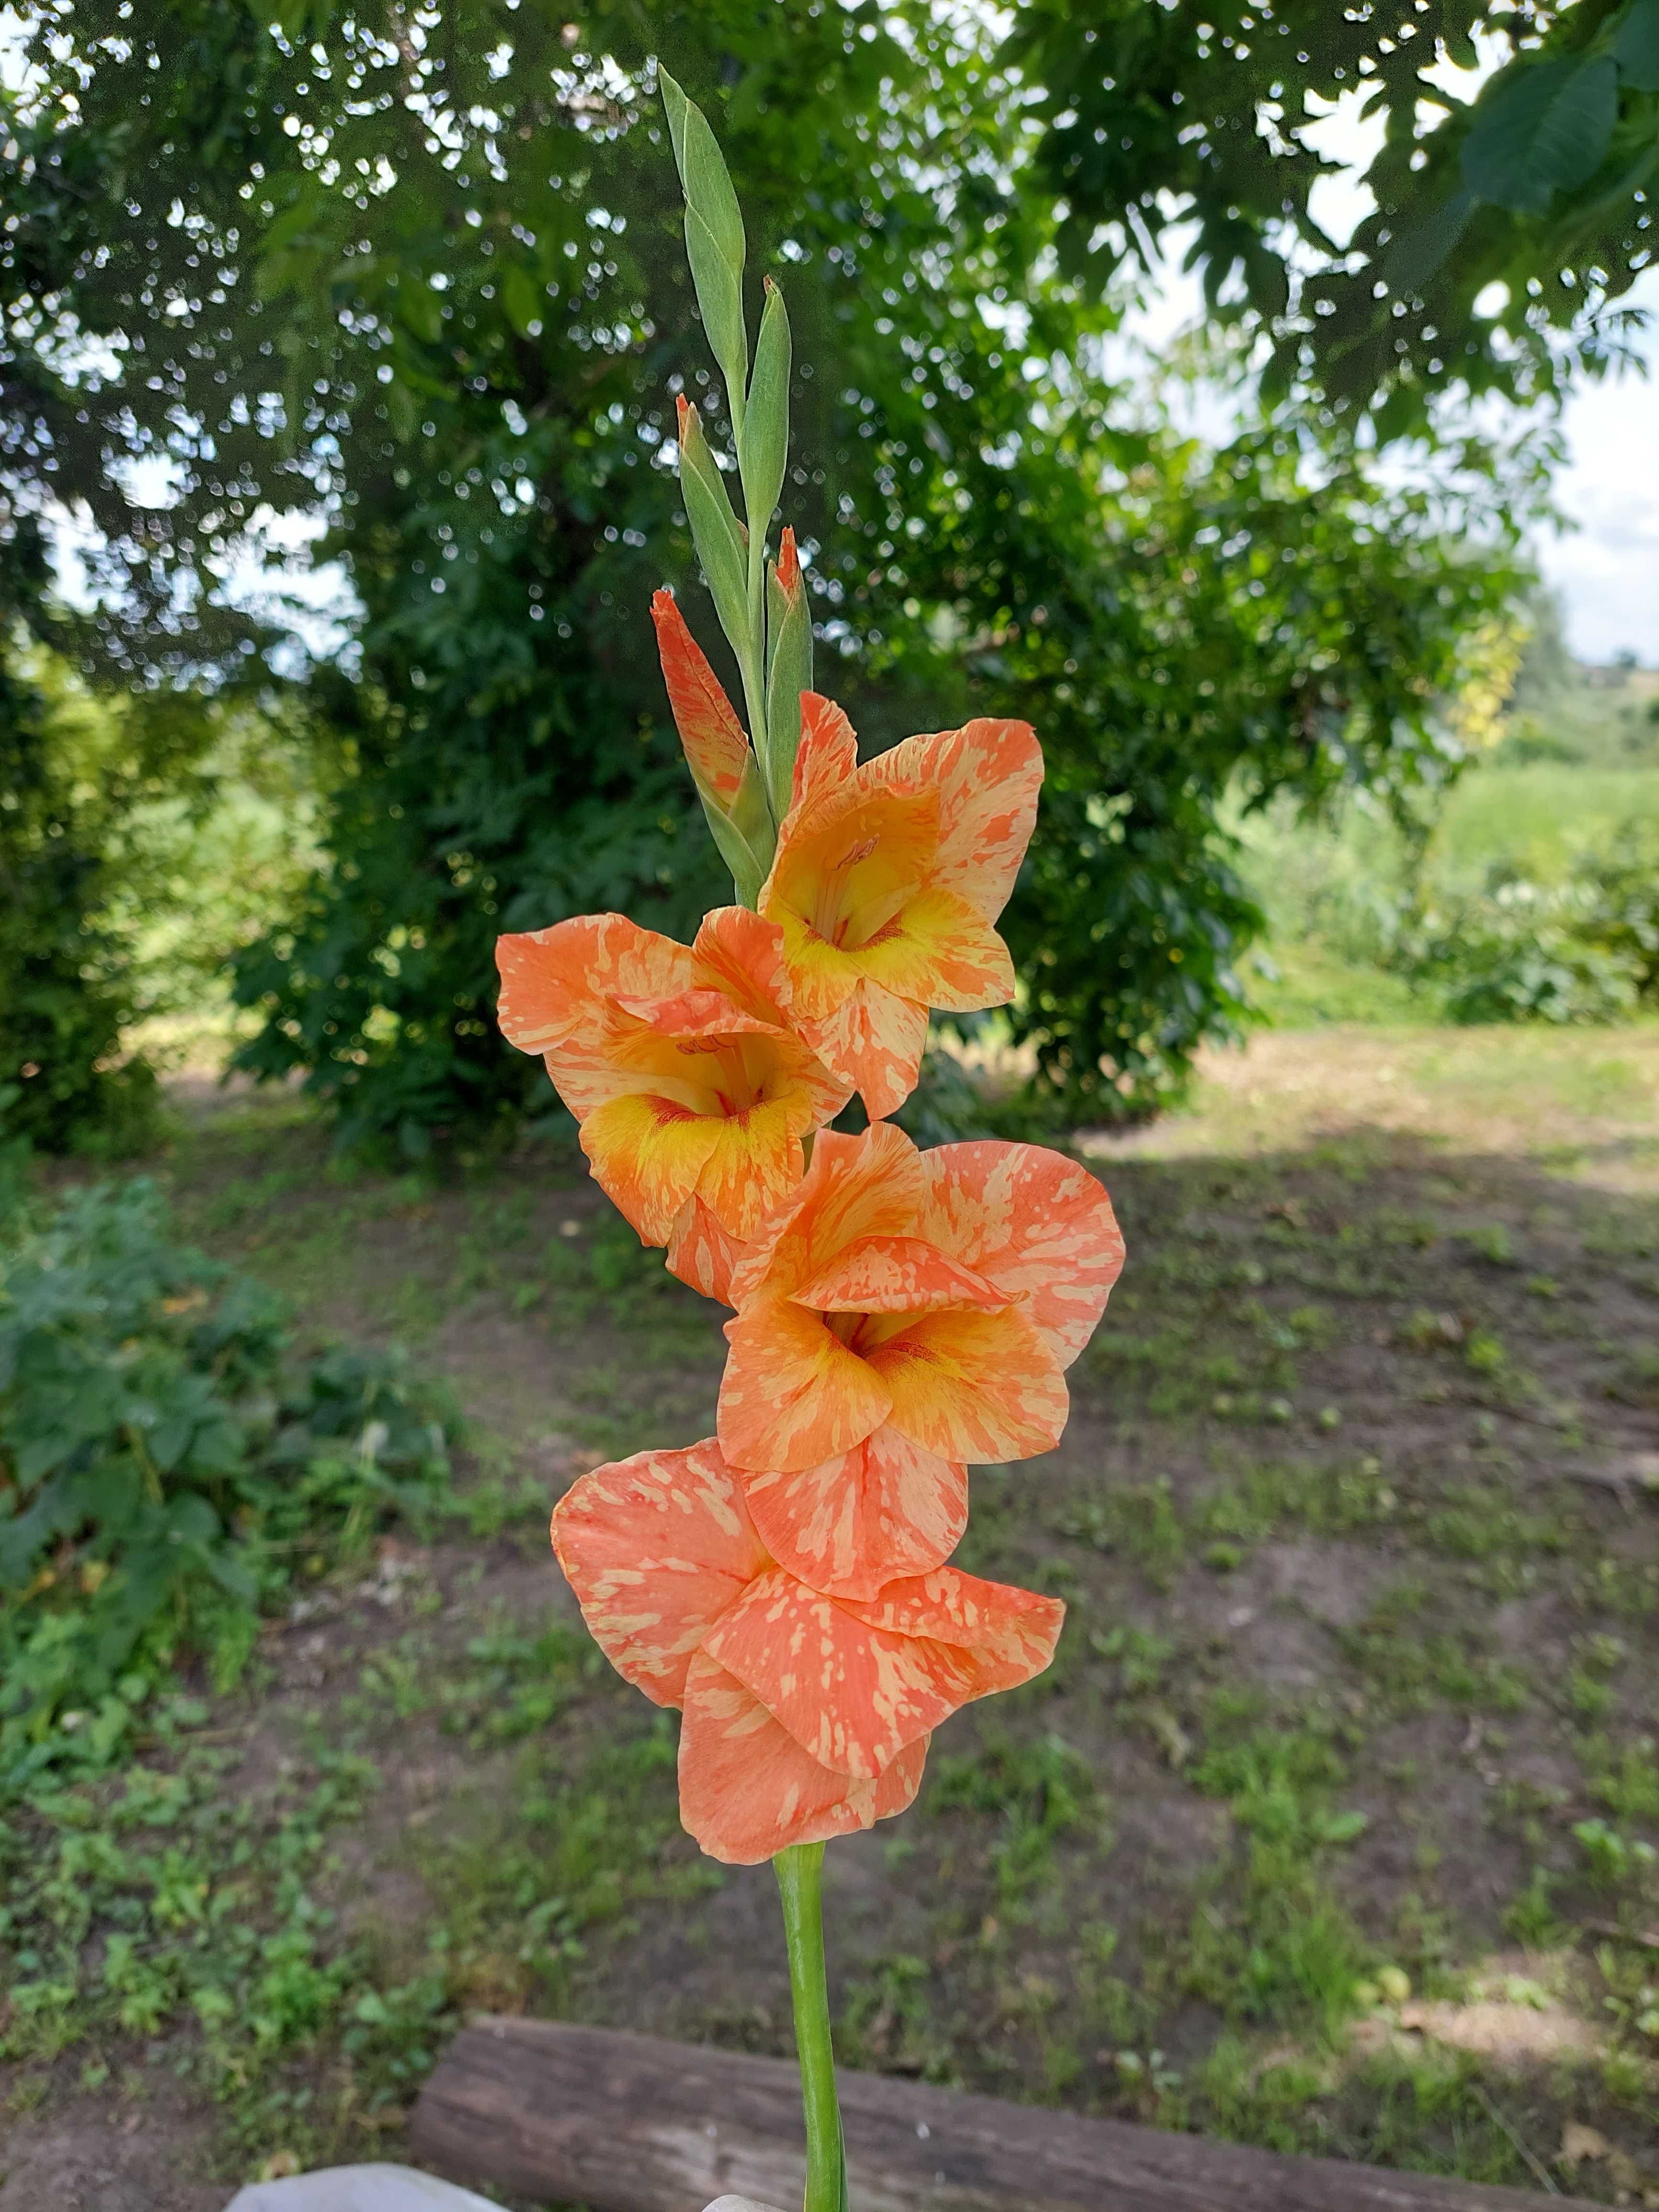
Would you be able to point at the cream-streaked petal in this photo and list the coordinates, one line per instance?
(938, 950)
(656, 1548)
(853, 1696)
(856, 1187)
(988, 775)
(557, 986)
(648, 1154)
(793, 1394)
(747, 1788)
(874, 1042)
(828, 754)
(896, 1275)
(1033, 1223)
(1005, 1634)
(702, 1252)
(884, 1510)
(972, 1386)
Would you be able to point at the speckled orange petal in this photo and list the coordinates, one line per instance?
(702, 1252)
(988, 775)
(846, 865)
(747, 1788)
(876, 1042)
(851, 1696)
(979, 1387)
(853, 1523)
(713, 737)
(938, 950)
(556, 984)
(1006, 1635)
(738, 951)
(857, 1187)
(827, 753)
(755, 1162)
(895, 1274)
(648, 1154)
(793, 1394)
(656, 1548)
(1036, 1225)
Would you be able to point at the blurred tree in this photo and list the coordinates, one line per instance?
(424, 269)
(1506, 224)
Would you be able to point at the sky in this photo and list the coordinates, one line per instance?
(1607, 570)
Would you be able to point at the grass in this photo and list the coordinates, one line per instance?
(1349, 1740)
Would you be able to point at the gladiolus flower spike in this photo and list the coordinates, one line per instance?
(897, 1314)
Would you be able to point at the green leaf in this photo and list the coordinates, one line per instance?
(523, 298)
(715, 532)
(789, 672)
(1538, 128)
(763, 449)
(719, 299)
(420, 309)
(1414, 257)
(1635, 47)
(714, 234)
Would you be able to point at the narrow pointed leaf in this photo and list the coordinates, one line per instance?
(764, 448)
(722, 547)
(713, 235)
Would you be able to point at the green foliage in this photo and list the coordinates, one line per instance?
(478, 363)
(64, 995)
(1507, 220)
(161, 1463)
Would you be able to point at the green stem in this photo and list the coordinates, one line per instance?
(800, 1881)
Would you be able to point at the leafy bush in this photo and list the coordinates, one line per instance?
(1521, 953)
(165, 1464)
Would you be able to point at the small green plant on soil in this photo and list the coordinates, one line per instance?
(168, 1468)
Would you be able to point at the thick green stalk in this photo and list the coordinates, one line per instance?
(800, 1880)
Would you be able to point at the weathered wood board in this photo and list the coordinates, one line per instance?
(566, 2114)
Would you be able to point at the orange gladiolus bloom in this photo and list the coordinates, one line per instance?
(886, 881)
(807, 1717)
(934, 1298)
(692, 1092)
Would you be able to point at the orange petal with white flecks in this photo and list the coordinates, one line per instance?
(556, 984)
(702, 1251)
(747, 1788)
(854, 1693)
(974, 1386)
(713, 737)
(852, 1524)
(657, 1547)
(988, 775)
(793, 1394)
(876, 1042)
(648, 1154)
(827, 753)
(1033, 1224)
(938, 950)
(895, 1274)
(857, 1188)
(1006, 1635)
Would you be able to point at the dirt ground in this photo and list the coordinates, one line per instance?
(1333, 1825)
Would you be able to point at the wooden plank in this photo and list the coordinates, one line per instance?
(566, 2114)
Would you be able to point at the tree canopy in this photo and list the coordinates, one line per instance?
(1505, 224)
(421, 268)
